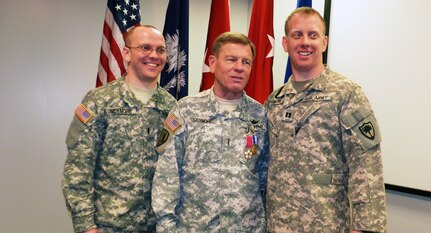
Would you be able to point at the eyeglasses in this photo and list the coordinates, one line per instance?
(146, 49)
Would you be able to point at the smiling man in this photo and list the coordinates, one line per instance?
(325, 172)
(211, 175)
(111, 143)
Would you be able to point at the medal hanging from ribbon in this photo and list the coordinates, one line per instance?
(251, 145)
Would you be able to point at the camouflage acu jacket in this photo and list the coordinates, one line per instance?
(325, 152)
(111, 158)
(212, 174)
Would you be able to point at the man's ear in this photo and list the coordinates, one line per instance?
(284, 43)
(325, 43)
(126, 54)
(211, 62)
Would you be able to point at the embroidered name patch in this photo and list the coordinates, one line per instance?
(317, 98)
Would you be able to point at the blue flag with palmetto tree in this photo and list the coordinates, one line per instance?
(174, 77)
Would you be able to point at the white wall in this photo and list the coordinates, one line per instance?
(48, 52)
(48, 60)
(385, 47)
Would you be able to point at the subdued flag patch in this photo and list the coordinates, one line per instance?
(83, 113)
(172, 122)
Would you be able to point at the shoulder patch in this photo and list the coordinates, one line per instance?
(164, 137)
(172, 123)
(367, 129)
(368, 132)
(83, 113)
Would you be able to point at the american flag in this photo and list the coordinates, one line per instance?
(172, 122)
(120, 16)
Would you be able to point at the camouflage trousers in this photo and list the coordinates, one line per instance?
(103, 229)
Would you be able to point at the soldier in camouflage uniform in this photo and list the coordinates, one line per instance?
(212, 174)
(325, 172)
(111, 143)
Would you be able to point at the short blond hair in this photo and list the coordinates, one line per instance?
(307, 11)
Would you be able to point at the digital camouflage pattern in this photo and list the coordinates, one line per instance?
(222, 180)
(325, 154)
(111, 159)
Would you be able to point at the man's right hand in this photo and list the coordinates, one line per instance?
(94, 230)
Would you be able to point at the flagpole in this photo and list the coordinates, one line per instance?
(327, 17)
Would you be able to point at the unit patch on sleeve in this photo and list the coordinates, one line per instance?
(367, 129)
(165, 136)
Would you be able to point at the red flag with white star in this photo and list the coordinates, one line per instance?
(219, 22)
(261, 33)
